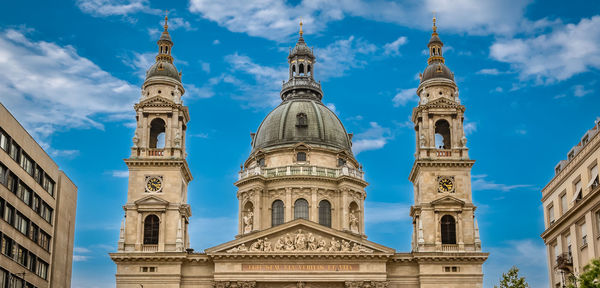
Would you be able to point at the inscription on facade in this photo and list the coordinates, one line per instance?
(300, 267)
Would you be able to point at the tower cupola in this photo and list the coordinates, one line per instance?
(436, 67)
(301, 83)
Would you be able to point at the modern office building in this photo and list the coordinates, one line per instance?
(37, 206)
(572, 210)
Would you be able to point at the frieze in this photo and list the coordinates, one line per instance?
(234, 284)
(300, 242)
(366, 284)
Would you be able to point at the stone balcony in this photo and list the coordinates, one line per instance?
(439, 154)
(300, 170)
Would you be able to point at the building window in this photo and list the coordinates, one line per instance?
(151, 224)
(42, 269)
(325, 213)
(261, 162)
(23, 193)
(594, 179)
(46, 212)
(568, 238)
(44, 240)
(564, 206)
(301, 120)
(3, 143)
(301, 157)
(34, 232)
(551, 214)
(448, 230)
(157, 133)
(277, 213)
(48, 184)
(7, 247)
(341, 162)
(21, 223)
(3, 172)
(26, 163)
(442, 134)
(9, 213)
(301, 209)
(578, 191)
(14, 151)
(22, 255)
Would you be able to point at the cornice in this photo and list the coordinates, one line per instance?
(265, 180)
(161, 162)
(298, 255)
(573, 165)
(427, 257)
(438, 163)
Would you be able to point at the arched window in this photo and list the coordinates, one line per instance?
(151, 229)
(301, 120)
(308, 71)
(448, 230)
(301, 209)
(293, 70)
(301, 156)
(442, 134)
(325, 213)
(277, 213)
(157, 133)
(301, 72)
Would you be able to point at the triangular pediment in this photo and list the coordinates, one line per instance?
(156, 101)
(448, 201)
(442, 102)
(151, 201)
(300, 237)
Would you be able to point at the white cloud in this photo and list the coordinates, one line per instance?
(80, 258)
(527, 254)
(50, 87)
(580, 91)
(480, 183)
(489, 71)
(342, 55)
(277, 19)
(558, 55)
(178, 22)
(81, 250)
(101, 8)
(216, 42)
(404, 96)
(393, 48)
(331, 107)
(382, 212)
(205, 67)
(120, 173)
(469, 127)
(372, 139)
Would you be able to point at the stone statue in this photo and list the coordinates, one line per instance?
(422, 141)
(248, 220)
(424, 99)
(242, 248)
(312, 242)
(322, 246)
(463, 140)
(136, 139)
(279, 246)
(267, 245)
(177, 140)
(300, 241)
(353, 222)
(335, 245)
(289, 243)
(177, 95)
(257, 246)
(345, 246)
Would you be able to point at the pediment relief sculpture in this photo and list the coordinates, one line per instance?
(301, 241)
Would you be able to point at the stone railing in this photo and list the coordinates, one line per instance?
(301, 170)
(443, 153)
(149, 248)
(449, 247)
(155, 152)
(299, 82)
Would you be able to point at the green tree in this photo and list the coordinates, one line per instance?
(590, 278)
(511, 279)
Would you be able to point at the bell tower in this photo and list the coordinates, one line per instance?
(443, 213)
(156, 212)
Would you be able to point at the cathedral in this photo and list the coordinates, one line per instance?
(301, 193)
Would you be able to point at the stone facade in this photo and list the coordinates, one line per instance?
(571, 210)
(37, 207)
(301, 196)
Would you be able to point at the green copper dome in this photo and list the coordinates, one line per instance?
(301, 120)
(163, 68)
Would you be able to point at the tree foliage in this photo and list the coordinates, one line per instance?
(590, 278)
(511, 279)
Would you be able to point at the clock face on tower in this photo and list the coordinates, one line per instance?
(153, 183)
(445, 184)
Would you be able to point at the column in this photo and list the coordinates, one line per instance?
(162, 232)
(314, 206)
(591, 240)
(288, 205)
(461, 243)
(575, 247)
(344, 209)
(138, 241)
(257, 224)
(240, 220)
(436, 233)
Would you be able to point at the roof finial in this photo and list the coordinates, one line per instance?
(301, 32)
(166, 18)
(434, 27)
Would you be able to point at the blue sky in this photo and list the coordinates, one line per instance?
(527, 73)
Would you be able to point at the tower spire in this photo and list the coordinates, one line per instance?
(166, 19)
(164, 43)
(435, 45)
(301, 32)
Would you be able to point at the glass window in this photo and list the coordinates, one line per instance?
(448, 230)
(151, 229)
(9, 212)
(48, 184)
(34, 231)
(22, 255)
(26, 163)
(37, 174)
(583, 234)
(551, 214)
(325, 213)
(301, 209)
(3, 172)
(31, 262)
(23, 193)
(301, 157)
(36, 203)
(46, 213)
(3, 145)
(7, 247)
(21, 223)
(3, 276)
(10, 181)
(14, 151)
(44, 240)
(277, 216)
(42, 269)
